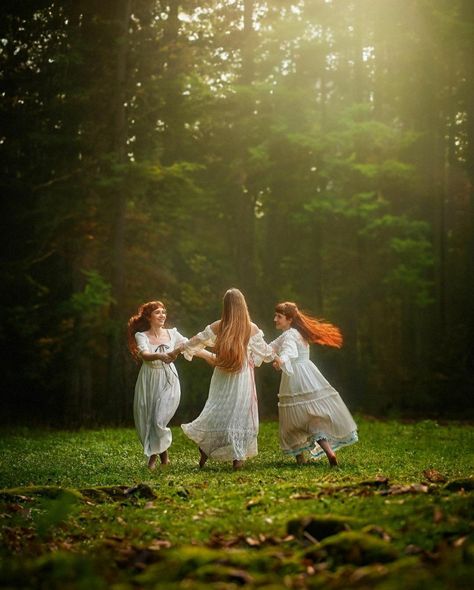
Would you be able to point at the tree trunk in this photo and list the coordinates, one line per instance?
(244, 228)
(118, 403)
(172, 114)
(468, 49)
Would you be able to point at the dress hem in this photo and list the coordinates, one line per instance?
(217, 453)
(336, 443)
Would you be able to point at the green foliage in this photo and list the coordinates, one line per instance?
(406, 255)
(93, 298)
(318, 151)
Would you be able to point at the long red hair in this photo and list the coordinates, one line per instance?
(233, 334)
(312, 329)
(140, 322)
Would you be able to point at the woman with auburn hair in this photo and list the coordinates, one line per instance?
(157, 390)
(311, 412)
(227, 427)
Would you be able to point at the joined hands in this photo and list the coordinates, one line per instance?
(167, 358)
(277, 363)
(170, 357)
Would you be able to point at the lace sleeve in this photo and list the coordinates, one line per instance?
(261, 351)
(288, 350)
(179, 338)
(198, 342)
(276, 344)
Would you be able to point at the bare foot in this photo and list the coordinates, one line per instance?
(333, 460)
(330, 454)
(152, 462)
(300, 459)
(236, 464)
(203, 459)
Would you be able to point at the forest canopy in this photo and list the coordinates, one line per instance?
(320, 151)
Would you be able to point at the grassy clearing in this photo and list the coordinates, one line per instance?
(81, 509)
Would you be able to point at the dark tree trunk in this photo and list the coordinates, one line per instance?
(468, 49)
(118, 398)
(244, 224)
(172, 114)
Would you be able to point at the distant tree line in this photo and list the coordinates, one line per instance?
(319, 151)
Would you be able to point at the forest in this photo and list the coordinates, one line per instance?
(317, 151)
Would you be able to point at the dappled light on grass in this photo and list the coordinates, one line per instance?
(399, 505)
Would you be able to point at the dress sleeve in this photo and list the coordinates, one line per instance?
(142, 342)
(276, 344)
(288, 351)
(179, 338)
(198, 342)
(260, 350)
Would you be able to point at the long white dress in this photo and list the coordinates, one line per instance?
(227, 427)
(157, 395)
(309, 408)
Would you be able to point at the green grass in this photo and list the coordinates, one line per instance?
(65, 526)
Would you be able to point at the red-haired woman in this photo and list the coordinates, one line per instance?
(227, 427)
(157, 390)
(310, 410)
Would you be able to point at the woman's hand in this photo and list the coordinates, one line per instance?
(277, 363)
(162, 356)
(173, 354)
(208, 356)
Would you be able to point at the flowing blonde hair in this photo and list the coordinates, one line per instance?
(312, 329)
(233, 333)
(140, 322)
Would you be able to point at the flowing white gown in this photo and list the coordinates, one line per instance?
(157, 395)
(309, 408)
(227, 427)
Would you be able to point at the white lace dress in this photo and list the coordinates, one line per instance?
(309, 408)
(227, 427)
(157, 395)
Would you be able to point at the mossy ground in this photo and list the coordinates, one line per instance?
(81, 510)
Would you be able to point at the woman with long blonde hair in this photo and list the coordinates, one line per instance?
(227, 427)
(312, 415)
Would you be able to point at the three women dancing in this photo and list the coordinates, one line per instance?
(312, 415)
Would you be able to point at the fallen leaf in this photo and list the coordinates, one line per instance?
(379, 481)
(221, 541)
(434, 476)
(14, 507)
(158, 544)
(414, 488)
(253, 503)
(306, 496)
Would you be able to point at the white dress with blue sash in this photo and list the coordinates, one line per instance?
(309, 408)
